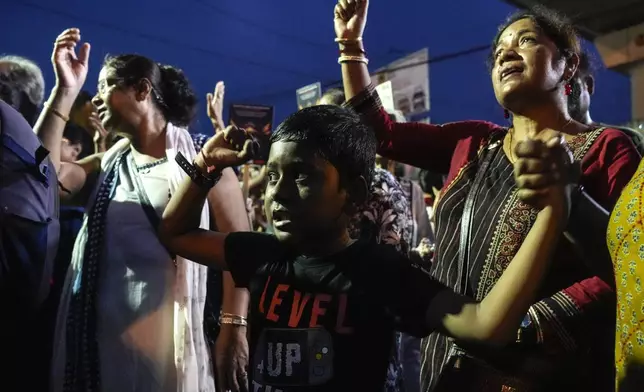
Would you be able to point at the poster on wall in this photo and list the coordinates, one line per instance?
(308, 95)
(386, 94)
(409, 78)
(256, 120)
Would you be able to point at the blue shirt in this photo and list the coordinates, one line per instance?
(29, 233)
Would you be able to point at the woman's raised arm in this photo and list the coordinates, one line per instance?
(71, 71)
(423, 145)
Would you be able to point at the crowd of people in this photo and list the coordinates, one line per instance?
(367, 254)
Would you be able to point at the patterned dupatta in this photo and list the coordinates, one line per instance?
(191, 353)
(501, 223)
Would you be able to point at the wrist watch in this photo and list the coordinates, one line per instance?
(204, 181)
(527, 333)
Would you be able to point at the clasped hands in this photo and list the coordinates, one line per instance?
(546, 173)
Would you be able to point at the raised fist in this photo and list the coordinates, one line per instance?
(232, 147)
(350, 17)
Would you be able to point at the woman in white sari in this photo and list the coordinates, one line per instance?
(131, 314)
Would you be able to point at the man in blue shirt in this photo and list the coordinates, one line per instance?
(29, 233)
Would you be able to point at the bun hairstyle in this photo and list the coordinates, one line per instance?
(171, 89)
(178, 94)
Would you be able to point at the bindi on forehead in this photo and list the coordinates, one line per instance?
(519, 28)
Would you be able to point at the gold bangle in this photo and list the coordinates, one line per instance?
(238, 320)
(234, 316)
(224, 314)
(353, 59)
(56, 112)
(345, 41)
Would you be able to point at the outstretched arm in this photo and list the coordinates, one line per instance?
(497, 317)
(425, 305)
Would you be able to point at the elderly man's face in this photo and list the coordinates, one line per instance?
(20, 100)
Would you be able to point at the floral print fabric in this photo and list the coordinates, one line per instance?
(625, 239)
(387, 215)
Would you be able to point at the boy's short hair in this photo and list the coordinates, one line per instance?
(337, 134)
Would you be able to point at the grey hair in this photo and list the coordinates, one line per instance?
(26, 76)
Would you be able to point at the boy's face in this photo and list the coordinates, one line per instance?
(304, 201)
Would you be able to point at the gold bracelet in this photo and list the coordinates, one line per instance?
(234, 316)
(345, 41)
(56, 112)
(237, 320)
(353, 59)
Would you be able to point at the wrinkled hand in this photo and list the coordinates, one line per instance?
(215, 107)
(231, 358)
(70, 68)
(100, 133)
(350, 17)
(545, 173)
(232, 147)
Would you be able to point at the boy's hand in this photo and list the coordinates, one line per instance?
(232, 147)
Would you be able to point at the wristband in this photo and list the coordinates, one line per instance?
(204, 181)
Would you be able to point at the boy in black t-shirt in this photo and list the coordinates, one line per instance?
(324, 306)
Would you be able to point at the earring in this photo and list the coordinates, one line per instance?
(568, 89)
(506, 113)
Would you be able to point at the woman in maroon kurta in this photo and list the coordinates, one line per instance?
(534, 56)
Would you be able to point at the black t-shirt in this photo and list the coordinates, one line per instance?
(326, 324)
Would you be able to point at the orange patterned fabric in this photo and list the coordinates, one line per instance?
(626, 244)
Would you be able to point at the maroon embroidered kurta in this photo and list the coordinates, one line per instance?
(574, 338)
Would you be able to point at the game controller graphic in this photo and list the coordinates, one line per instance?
(321, 356)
